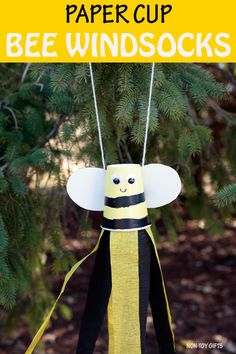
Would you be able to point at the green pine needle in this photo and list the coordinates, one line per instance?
(225, 196)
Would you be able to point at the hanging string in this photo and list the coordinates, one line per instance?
(97, 116)
(147, 118)
(148, 113)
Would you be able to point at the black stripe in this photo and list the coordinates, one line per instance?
(144, 260)
(159, 308)
(125, 223)
(97, 299)
(122, 202)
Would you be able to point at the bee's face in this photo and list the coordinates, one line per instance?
(123, 180)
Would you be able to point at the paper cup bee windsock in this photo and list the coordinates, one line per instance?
(127, 273)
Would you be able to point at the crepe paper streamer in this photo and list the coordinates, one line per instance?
(44, 325)
(123, 313)
(133, 254)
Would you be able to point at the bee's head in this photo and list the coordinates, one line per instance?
(123, 180)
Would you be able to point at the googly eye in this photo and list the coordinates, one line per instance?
(131, 179)
(116, 178)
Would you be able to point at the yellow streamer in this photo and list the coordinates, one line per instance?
(123, 308)
(42, 328)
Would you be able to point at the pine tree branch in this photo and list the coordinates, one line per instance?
(222, 112)
(125, 147)
(225, 196)
(50, 135)
(53, 132)
(4, 166)
(119, 150)
(26, 69)
(37, 82)
(5, 106)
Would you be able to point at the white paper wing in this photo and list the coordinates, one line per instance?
(161, 184)
(86, 187)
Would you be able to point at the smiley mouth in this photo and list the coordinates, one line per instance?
(123, 190)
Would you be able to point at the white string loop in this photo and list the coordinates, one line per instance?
(148, 113)
(147, 118)
(97, 116)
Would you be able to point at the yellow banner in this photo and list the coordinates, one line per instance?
(117, 31)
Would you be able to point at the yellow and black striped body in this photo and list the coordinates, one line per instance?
(125, 212)
(124, 207)
(130, 276)
(119, 212)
